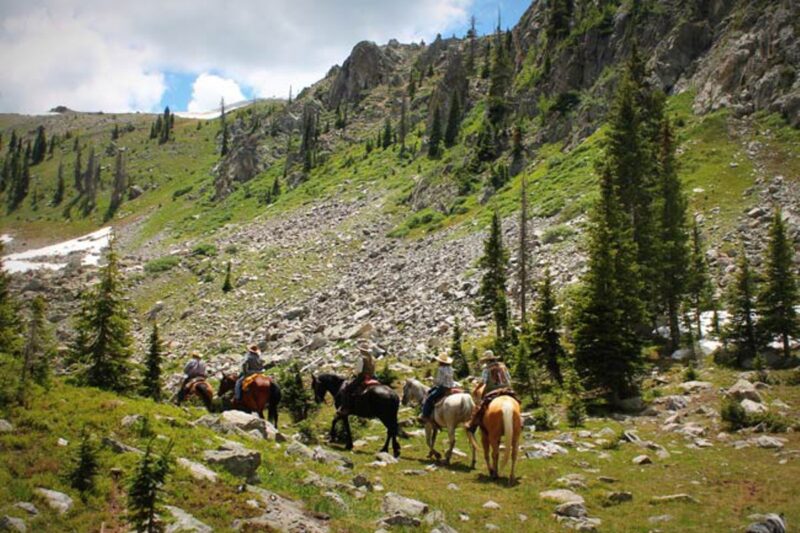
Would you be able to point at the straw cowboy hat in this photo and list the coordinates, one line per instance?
(489, 356)
(196, 355)
(254, 348)
(443, 359)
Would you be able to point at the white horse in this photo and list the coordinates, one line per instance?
(455, 409)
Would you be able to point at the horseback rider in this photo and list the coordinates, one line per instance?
(252, 364)
(194, 368)
(441, 385)
(364, 370)
(496, 380)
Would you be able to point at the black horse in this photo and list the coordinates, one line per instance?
(378, 401)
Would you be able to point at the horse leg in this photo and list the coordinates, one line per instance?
(349, 444)
(495, 442)
(472, 444)
(451, 435)
(332, 436)
(485, 444)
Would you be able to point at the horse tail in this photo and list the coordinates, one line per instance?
(508, 431)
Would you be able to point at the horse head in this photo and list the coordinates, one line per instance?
(406, 386)
(226, 383)
(318, 388)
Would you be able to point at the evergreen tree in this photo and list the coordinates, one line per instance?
(58, 194)
(85, 467)
(401, 130)
(493, 283)
(435, 139)
(545, 337)
(166, 126)
(118, 188)
(698, 283)
(522, 259)
(412, 86)
(741, 329)
(453, 122)
(151, 380)
(387, 133)
(276, 188)
(472, 34)
(227, 286)
(10, 336)
(673, 241)
(21, 183)
(105, 330)
(39, 147)
(224, 125)
(486, 71)
(294, 395)
(607, 346)
(499, 83)
(779, 297)
(78, 172)
(115, 132)
(559, 13)
(576, 408)
(146, 487)
(631, 160)
(37, 352)
(460, 363)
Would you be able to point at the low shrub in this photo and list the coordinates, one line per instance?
(543, 419)
(205, 249)
(161, 264)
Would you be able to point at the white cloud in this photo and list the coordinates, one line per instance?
(208, 89)
(96, 54)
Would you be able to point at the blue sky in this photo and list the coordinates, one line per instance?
(96, 55)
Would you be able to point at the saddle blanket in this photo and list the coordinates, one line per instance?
(249, 379)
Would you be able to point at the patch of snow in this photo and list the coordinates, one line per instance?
(214, 113)
(6, 238)
(90, 246)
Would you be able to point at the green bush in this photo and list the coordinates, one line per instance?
(557, 233)
(386, 375)
(576, 412)
(205, 249)
(161, 264)
(734, 414)
(543, 419)
(180, 192)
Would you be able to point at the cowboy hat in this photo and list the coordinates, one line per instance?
(195, 354)
(254, 348)
(443, 359)
(489, 356)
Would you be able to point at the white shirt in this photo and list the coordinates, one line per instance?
(444, 377)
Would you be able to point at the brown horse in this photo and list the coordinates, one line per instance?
(501, 418)
(198, 387)
(262, 392)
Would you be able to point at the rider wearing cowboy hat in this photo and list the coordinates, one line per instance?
(364, 369)
(495, 376)
(442, 383)
(194, 368)
(252, 364)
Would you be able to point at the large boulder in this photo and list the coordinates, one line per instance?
(394, 504)
(744, 390)
(560, 496)
(9, 523)
(198, 471)
(184, 522)
(280, 514)
(239, 461)
(753, 408)
(57, 501)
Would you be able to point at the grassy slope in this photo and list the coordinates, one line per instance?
(730, 484)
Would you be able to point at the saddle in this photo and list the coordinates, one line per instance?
(370, 382)
(506, 391)
(252, 377)
(449, 392)
(193, 381)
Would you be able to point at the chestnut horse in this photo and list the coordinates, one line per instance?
(198, 387)
(501, 418)
(262, 392)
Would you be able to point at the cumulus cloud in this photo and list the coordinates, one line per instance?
(96, 54)
(208, 89)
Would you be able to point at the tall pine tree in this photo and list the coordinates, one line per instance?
(146, 488)
(58, 194)
(453, 122)
(435, 140)
(37, 352)
(673, 239)
(493, 283)
(607, 344)
(741, 328)
(151, 380)
(545, 337)
(698, 281)
(105, 330)
(224, 126)
(779, 297)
